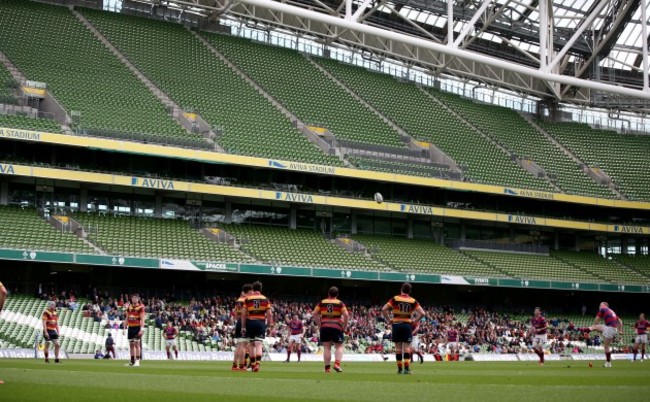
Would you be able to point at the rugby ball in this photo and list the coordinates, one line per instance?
(379, 198)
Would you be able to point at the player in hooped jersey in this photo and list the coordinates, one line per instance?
(405, 310)
(170, 333)
(241, 350)
(296, 332)
(332, 317)
(641, 339)
(135, 329)
(257, 315)
(613, 326)
(540, 327)
(51, 331)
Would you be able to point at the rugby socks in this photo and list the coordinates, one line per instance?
(247, 359)
(398, 357)
(176, 353)
(635, 352)
(132, 359)
(299, 353)
(642, 352)
(327, 368)
(608, 356)
(169, 356)
(258, 359)
(47, 357)
(288, 354)
(407, 360)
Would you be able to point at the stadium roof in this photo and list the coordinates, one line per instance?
(594, 51)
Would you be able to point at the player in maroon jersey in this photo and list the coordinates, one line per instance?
(452, 343)
(170, 333)
(641, 339)
(296, 332)
(540, 327)
(415, 343)
(613, 326)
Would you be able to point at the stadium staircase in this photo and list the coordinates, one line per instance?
(193, 124)
(67, 224)
(623, 157)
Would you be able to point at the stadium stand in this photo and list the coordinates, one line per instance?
(300, 247)
(22, 228)
(530, 266)
(607, 269)
(401, 167)
(426, 120)
(623, 157)
(425, 256)
(194, 78)
(48, 44)
(641, 264)
(150, 237)
(29, 123)
(306, 91)
(6, 95)
(513, 132)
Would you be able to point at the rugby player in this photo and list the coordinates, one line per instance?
(332, 317)
(256, 317)
(296, 332)
(170, 333)
(51, 331)
(540, 327)
(415, 343)
(241, 348)
(452, 342)
(613, 326)
(135, 325)
(641, 339)
(405, 310)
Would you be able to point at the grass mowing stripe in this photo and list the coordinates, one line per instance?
(85, 380)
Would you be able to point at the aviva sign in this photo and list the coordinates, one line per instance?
(528, 220)
(7, 169)
(628, 229)
(159, 184)
(294, 197)
(416, 209)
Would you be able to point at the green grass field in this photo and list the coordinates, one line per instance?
(90, 380)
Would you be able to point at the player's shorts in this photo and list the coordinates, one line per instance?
(132, 333)
(415, 343)
(237, 334)
(452, 345)
(402, 332)
(641, 339)
(170, 342)
(295, 338)
(610, 332)
(255, 330)
(328, 334)
(53, 336)
(539, 340)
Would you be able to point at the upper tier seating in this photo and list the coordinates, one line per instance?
(185, 69)
(48, 44)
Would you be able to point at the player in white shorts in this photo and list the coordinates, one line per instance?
(641, 339)
(613, 326)
(415, 342)
(540, 327)
(296, 333)
(170, 333)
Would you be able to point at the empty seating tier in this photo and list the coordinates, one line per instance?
(149, 237)
(513, 132)
(640, 263)
(48, 44)
(185, 69)
(303, 89)
(29, 123)
(623, 157)
(529, 266)
(424, 256)
(402, 167)
(22, 228)
(300, 247)
(607, 269)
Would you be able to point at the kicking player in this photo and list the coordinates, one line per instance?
(405, 310)
(135, 325)
(241, 349)
(613, 326)
(297, 331)
(540, 327)
(641, 327)
(170, 333)
(332, 317)
(254, 321)
(51, 331)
